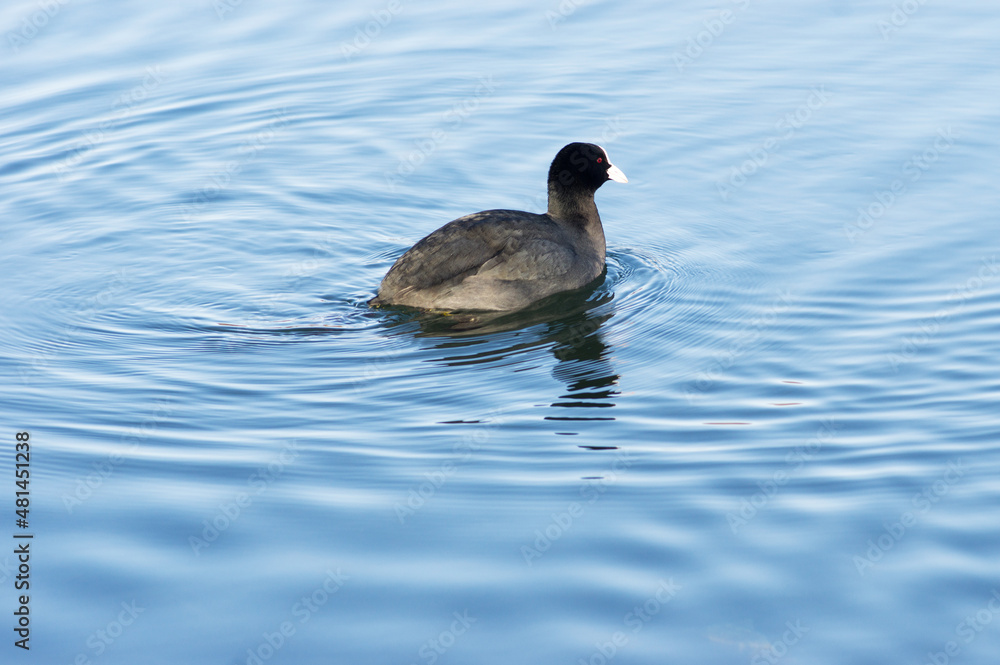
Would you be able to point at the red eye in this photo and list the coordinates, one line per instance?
(599, 160)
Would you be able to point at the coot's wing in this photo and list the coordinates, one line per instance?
(532, 259)
(485, 241)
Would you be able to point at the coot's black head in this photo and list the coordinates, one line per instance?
(583, 166)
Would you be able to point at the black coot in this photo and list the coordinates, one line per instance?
(508, 259)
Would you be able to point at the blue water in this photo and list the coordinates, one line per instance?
(771, 435)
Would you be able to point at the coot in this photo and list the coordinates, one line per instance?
(507, 259)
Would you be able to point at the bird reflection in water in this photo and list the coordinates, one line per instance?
(569, 324)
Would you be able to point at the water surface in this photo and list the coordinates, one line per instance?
(770, 435)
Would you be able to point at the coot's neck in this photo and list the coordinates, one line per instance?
(568, 204)
(576, 207)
